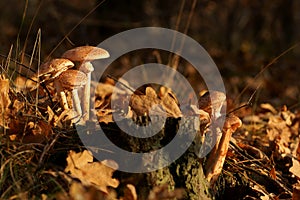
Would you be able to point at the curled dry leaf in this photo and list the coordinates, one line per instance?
(129, 193)
(105, 115)
(24, 84)
(143, 104)
(296, 191)
(79, 192)
(37, 132)
(269, 107)
(97, 174)
(4, 102)
(279, 133)
(295, 169)
(212, 103)
(103, 90)
(170, 104)
(162, 192)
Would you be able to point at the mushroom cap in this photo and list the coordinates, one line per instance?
(85, 53)
(54, 67)
(72, 79)
(212, 100)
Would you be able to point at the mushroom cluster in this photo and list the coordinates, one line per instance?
(69, 73)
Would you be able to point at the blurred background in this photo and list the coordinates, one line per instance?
(242, 36)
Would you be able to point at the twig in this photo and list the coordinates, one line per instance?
(266, 67)
(248, 104)
(67, 35)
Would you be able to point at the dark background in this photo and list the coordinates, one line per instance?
(242, 36)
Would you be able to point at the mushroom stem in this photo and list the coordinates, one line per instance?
(76, 101)
(62, 94)
(87, 94)
(87, 68)
(216, 158)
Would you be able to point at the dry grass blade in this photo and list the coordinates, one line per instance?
(67, 35)
(265, 68)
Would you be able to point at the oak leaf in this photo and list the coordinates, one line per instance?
(144, 104)
(97, 174)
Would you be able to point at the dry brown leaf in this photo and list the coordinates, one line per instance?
(129, 193)
(297, 153)
(162, 192)
(268, 107)
(106, 119)
(103, 90)
(170, 104)
(98, 174)
(279, 132)
(79, 192)
(51, 115)
(296, 191)
(273, 173)
(18, 105)
(23, 84)
(37, 132)
(150, 102)
(141, 104)
(4, 98)
(212, 103)
(295, 169)
(105, 115)
(66, 118)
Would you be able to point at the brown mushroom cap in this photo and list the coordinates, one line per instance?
(85, 53)
(72, 79)
(212, 99)
(54, 67)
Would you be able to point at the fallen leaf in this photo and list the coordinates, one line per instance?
(129, 193)
(80, 192)
(98, 174)
(296, 191)
(37, 132)
(4, 98)
(295, 169)
(162, 192)
(170, 104)
(143, 104)
(273, 173)
(268, 107)
(212, 103)
(298, 150)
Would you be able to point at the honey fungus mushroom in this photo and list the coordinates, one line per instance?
(72, 80)
(53, 68)
(85, 55)
(212, 102)
(50, 70)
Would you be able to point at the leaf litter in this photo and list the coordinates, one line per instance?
(273, 151)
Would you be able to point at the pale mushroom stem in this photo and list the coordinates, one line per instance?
(87, 68)
(87, 94)
(76, 101)
(62, 94)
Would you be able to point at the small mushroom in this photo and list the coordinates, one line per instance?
(85, 55)
(216, 158)
(212, 102)
(72, 80)
(51, 70)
